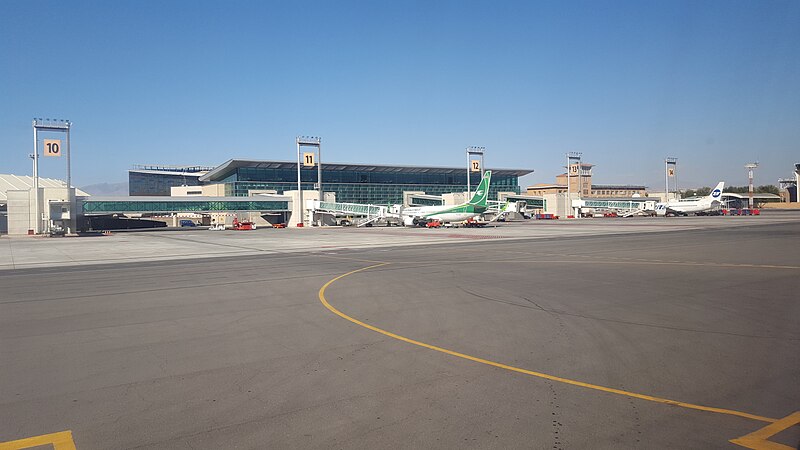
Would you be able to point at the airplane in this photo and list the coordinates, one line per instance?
(421, 215)
(695, 205)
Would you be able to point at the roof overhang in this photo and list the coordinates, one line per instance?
(166, 172)
(762, 196)
(229, 167)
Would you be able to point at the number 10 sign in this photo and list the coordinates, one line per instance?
(52, 147)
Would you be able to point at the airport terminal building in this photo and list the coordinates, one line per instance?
(351, 183)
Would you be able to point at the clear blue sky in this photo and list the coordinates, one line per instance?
(716, 84)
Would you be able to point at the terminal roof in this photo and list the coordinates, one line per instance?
(762, 196)
(619, 186)
(230, 166)
(25, 182)
(168, 172)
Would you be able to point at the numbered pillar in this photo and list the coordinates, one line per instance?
(53, 148)
(308, 159)
(474, 165)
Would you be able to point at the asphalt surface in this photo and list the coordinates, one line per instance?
(23, 252)
(241, 352)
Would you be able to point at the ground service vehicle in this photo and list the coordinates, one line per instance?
(243, 225)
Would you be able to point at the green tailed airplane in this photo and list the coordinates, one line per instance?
(421, 215)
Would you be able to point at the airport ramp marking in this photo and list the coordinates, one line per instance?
(596, 387)
(759, 439)
(60, 441)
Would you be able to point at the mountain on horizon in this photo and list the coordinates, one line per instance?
(110, 189)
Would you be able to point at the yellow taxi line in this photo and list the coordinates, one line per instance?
(651, 398)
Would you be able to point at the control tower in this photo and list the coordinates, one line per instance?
(791, 185)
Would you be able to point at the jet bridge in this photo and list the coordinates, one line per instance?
(532, 202)
(625, 208)
(366, 214)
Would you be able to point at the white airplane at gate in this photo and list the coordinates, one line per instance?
(694, 205)
(421, 215)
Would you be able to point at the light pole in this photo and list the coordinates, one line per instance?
(299, 185)
(750, 167)
(571, 156)
(669, 172)
(56, 125)
(308, 141)
(473, 151)
(36, 218)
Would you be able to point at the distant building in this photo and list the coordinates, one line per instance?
(157, 180)
(580, 182)
(18, 204)
(789, 186)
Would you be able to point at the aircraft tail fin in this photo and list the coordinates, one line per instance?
(482, 191)
(716, 193)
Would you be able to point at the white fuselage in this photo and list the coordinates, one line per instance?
(441, 213)
(688, 206)
(692, 205)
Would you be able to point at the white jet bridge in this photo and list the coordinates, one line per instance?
(625, 208)
(368, 213)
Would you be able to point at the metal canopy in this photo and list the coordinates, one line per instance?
(227, 168)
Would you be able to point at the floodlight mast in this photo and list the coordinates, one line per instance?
(472, 150)
(58, 125)
(674, 162)
(750, 167)
(309, 141)
(36, 219)
(571, 156)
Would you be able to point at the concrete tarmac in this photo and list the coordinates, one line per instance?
(591, 336)
(20, 252)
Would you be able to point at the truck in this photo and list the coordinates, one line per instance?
(243, 225)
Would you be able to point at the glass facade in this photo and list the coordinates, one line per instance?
(380, 185)
(376, 194)
(140, 183)
(364, 186)
(168, 206)
(417, 201)
(384, 175)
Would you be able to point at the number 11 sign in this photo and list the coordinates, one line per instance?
(308, 159)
